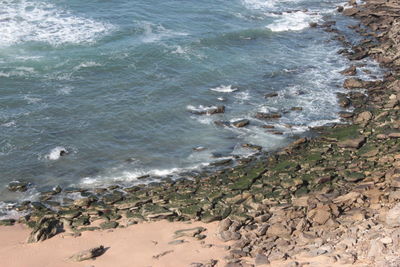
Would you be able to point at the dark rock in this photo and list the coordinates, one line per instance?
(18, 186)
(45, 229)
(216, 110)
(7, 222)
(271, 95)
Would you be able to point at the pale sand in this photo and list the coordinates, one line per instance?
(133, 246)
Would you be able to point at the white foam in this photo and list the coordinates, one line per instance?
(200, 108)
(243, 95)
(27, 20)
(224, 89)
(293, 21)
(87, 64)
(55, 153)
(31, 100)
(266, 4)
(19, 71)
(154, 33)
(9, 124)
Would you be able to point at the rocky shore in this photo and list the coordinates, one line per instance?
(335, 195)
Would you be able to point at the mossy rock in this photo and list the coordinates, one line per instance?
(343, 132)
(191, 211)
(286, 166)
(109, 225)
(7, 222)
(353, 176)
(245, 182)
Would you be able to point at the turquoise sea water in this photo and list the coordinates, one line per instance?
(115, 83)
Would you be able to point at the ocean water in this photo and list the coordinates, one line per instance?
(116, 84)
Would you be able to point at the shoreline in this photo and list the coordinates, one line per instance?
(307, 198)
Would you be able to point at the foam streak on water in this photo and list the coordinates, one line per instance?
(29, 20)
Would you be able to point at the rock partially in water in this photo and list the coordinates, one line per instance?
(17, 186)
(241, 123)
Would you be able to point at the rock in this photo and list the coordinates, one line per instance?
(229, 235)
(296, 108)
(251, 146)
(222, 123)
(271, 95)
(241, 123)
(88, 254)
(347, 198)
(393, 216)
(261, 260)
(17, 186)
(394, 135)
(7, 222)
(313, 24)
(353, 83)
(264, 116)
(224, 225)
(352, 143)
(109, 225)
(176, 242)
(350, 11)
(162, 254)
(221, 162)
(83, 202)
(319, 215)
(340, 9)
(45, 229)
(351, 71)
(278, 229)
(216, 110)
(363, 117)
(191, 232)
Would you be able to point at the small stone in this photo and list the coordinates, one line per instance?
(393, 216)
(386, 240)
(88, 254)
(261, 260)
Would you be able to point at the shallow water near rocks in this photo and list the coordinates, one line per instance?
(115, 84)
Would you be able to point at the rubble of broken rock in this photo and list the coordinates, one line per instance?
(335, 195)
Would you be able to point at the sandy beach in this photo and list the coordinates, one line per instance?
(137, 245)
